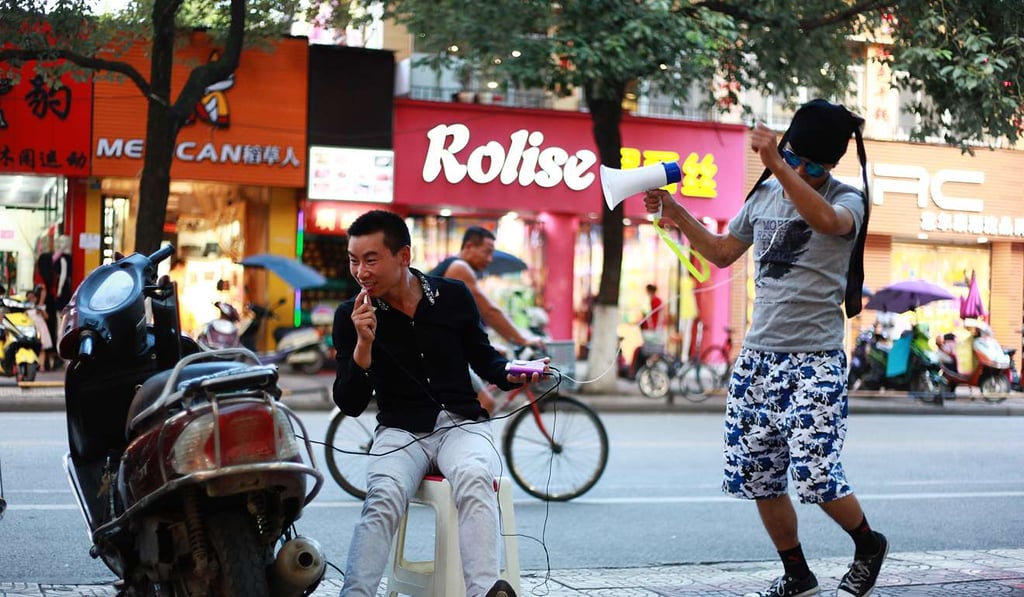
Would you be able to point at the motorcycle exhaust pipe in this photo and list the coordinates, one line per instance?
(299, 565)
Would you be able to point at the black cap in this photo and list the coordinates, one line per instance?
(821, 131)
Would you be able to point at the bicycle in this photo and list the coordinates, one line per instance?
(696, 379)
(556, 447)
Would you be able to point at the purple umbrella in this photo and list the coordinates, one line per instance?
(907, 295)
(971, 305)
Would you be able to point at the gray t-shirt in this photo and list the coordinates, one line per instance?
(800, 275)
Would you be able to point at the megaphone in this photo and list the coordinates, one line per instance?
(619, 184)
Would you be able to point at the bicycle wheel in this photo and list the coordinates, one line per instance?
(694, 381)
(347, 450)
(719, 364)
(556, 450)
(653, 380)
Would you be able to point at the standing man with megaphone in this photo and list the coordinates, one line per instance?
(787, 403)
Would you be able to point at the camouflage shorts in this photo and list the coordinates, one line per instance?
(786, 411)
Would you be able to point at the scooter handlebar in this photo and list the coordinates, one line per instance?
(162, 253)
(86, 347)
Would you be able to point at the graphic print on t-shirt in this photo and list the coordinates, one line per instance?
(780, 243)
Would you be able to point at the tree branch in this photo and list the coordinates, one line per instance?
(751, 17)
(203, 76)
(88, 62)
(845, 15)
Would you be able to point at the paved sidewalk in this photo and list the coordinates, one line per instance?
(917, 574)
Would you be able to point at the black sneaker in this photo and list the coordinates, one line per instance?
(501, 589)
(860, 579)
(788, 586)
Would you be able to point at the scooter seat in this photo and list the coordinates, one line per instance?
(150, 391)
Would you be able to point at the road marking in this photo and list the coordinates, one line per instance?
(862, 497)
(636, 500)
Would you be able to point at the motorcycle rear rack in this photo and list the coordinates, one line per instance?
(242, 377)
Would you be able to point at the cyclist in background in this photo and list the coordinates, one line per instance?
(787, 402)
(476, 254)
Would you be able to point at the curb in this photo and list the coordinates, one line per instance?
(313, 393)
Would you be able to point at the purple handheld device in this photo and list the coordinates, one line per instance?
(526, 368)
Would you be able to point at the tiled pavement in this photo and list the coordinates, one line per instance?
(917, 574)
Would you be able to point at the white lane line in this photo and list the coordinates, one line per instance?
(862, 497)
(637, 501)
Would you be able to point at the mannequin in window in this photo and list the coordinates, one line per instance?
(53, 274)
(62, 271)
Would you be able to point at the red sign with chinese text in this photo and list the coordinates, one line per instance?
(332, 217)
(45, 129)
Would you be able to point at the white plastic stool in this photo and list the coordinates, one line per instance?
(442, 576)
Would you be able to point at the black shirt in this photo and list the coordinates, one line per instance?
(419, 364)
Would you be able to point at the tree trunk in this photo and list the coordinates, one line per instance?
(606, 115)
(161, 133)
(164, 119)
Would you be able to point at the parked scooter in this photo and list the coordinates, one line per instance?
(301, 348)
(989, 368)
(19, 340)
(860, 363)
(909, 364)
(185, 466)
(304, 348)
(221, 332)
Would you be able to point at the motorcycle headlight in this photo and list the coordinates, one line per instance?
(112, 292)
(29, 331)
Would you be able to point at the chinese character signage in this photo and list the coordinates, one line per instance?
(44, 128)
(346, 174)
(249, 128)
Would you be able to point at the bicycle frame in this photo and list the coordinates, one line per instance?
(532, 399)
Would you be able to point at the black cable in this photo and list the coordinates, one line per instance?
(426, 392)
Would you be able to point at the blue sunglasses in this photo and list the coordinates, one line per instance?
(813, 169)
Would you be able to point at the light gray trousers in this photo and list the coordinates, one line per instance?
(466, 456)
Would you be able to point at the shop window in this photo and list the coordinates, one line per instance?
(115, 220)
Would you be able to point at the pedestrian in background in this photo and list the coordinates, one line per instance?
(467, 266)
(787, 403)
(653, 316)
(408, 339)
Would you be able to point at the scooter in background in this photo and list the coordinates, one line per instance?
(184, 463)
(860, 362)
(910, 365)
(989, 368)
(20, 345)
(221, 332)
(304, 348)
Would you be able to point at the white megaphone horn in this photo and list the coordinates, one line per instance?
(619, 184)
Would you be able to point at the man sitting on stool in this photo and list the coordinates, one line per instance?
(408, 339)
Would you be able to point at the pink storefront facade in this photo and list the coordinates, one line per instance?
(459, 163)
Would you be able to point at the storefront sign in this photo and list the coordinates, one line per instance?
(44, 128)
(510, 162)
(498, 158)
(330, 217)
(348, 174)
(954, 214)
(249, 128)
(189, 151)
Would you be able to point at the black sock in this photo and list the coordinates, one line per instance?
(794, 562)
(865, 541)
